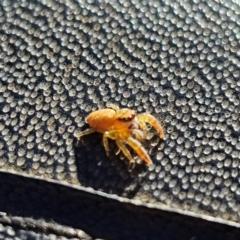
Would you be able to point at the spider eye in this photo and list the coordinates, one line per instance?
(125, 119)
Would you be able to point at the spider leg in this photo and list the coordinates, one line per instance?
(145, 117)
(125, 151)
(107, 135)
(139, 149)
(78, 135)
(139, 134)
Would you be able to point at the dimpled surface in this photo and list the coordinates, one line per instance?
(179, 61)
(38, 209)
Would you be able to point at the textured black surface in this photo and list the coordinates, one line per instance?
(18, 233)
(60, 60)
(50, 204)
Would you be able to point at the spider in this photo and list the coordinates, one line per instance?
(123, 126)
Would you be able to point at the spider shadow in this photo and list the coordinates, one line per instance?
(108, 174)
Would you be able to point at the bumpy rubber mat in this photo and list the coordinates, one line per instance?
(179, 61)
(47, 209)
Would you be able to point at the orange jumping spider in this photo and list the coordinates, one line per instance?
(122, 125)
